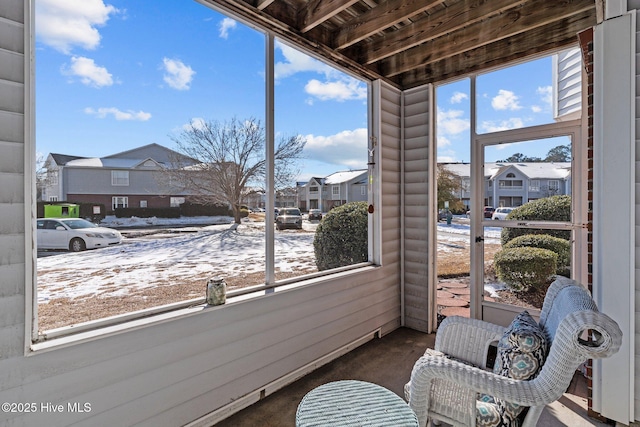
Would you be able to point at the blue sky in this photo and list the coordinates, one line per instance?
(510, 98)
(112, 75)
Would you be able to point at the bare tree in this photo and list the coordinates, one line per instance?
(449, 188)
(231, 157)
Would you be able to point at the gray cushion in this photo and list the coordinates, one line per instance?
(522, 351)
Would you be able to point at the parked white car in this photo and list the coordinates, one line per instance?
(74, 234)
(501, 213)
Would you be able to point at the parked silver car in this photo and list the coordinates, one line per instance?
(289, 218)
(74, 234)
(501, 213)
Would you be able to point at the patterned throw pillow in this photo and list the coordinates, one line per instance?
(521, 353)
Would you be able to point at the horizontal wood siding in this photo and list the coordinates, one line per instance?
(390, 179)
(416, 202)
(568, 81)
(12, 226)
(173, 372)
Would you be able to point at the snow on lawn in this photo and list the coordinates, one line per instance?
(147, 261)
(186, 252)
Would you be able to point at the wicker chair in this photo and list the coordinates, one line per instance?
(445, 389)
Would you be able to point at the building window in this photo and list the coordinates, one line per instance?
(363, 190)
(120, 178)
(53, 198)
(143, 203)
(510, 183)
(534, 185)
(335, 190)
(176, 202)
(313, 189)
(554, 185)
(119, 202)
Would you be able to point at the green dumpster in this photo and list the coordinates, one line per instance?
(62, 210)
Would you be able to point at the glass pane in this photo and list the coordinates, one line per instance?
(328, 110)
(505, 100)
(454, 198)
(519, 264)
(119, 103)
(519, 173)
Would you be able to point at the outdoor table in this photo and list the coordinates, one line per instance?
(353, 403)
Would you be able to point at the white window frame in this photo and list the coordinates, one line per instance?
(333, 190)
(143, 203)
(363, 190)
(115, 202)
(555, 186)
(53, 198)
(41, 342)
(120, 178)
(534, 185)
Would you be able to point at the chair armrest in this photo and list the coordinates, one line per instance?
(467, 339)
(469, 380)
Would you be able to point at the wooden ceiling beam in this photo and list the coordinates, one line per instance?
(263, 4)
(543, 39)
(437, 24)
(317, 11)
(515, 21)
(378, 18)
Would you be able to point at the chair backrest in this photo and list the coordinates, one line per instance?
(569, 306)
(577, 331)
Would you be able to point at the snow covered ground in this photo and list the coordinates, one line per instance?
(180, 252)
(184, 250)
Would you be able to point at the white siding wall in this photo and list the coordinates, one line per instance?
(417, 131)
(170, 373)
(636, 405)
(567, 82)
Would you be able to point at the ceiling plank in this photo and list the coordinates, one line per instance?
(437, 24)
(508, 24)
(317, 11)
(263, 4)
(378, 18)
(543, 39)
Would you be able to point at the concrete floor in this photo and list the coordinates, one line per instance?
(388, 362)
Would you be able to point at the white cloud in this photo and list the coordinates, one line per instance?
(546, 98)
(176, 74)
(341, 90)
(347, 148)
(496, 126)
(226, 25)
(505, 100)
(443, 141)
(458, 97)
(297, 62)
(117, 114)
(196, 123)
(545, 93)
(89, 73)
(65, 24)
(451, 122)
